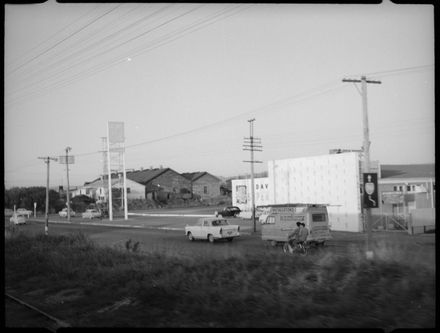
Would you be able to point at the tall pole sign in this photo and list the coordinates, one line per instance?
(115, 145)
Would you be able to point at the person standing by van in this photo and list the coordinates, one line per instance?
(299, 235)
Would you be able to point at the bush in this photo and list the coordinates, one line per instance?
(81, 202)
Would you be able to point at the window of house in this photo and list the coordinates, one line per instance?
(270, 220)
(408, 188)
(205, 189)
(128, 190)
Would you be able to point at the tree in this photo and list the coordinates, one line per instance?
(24, 197)
(80, 203)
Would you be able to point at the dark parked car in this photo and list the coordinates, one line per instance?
(229, 211)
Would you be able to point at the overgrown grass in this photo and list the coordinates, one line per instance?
(265, 290)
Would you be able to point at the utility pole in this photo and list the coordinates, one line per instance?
(68, 196)
(47, 161)
(109, 172)
(252, 144)
(366, 149)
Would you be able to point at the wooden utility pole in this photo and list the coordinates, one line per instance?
(110, 202)
(47, 161)
(68, 196)
(252, 144)
(366, 149)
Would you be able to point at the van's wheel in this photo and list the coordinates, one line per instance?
(273, 243)
(211, 238)
(190, 237)
(230, 239)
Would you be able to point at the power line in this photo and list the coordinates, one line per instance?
(131, 39)
(397, 70)
(64, 39)
(102, 67)
(46, 40)
(87, 48)
(197, 129)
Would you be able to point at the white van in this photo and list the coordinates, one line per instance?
(278, 221)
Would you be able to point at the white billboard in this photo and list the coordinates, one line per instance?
(116, 132)
(242, 195)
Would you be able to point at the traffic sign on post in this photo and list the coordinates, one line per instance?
(371, 198)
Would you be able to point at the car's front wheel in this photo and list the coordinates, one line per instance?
(190, 237)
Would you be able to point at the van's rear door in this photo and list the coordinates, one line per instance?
(319, 224)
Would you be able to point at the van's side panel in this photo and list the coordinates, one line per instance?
(284, 219)
(284, 224)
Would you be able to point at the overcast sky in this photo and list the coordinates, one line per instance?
(186, 78)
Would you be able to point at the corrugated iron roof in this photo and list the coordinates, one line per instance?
(145, 176)
(407, 170)
(193, 176)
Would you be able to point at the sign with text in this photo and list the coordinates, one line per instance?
(371, 198)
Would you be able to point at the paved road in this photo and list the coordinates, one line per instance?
(165, 220)
(165, 233)
(170, 241)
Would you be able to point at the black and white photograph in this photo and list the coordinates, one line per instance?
(219, 165)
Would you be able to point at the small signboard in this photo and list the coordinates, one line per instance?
(69, 159)
(371, 198)
(116, 131)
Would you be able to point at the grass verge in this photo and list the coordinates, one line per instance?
(87, 285)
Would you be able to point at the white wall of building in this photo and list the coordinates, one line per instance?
(332, 179)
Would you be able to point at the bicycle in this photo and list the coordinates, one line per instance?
(300, 247)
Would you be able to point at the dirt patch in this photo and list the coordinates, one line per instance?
(65, 296)
(117, 305)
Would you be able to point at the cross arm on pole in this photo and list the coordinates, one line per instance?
(357, 80)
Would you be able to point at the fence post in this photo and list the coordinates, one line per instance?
(410, 226)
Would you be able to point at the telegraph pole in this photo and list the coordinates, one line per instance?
(68, 196)
(252, 144)
(366, 149)
(47, 161)
(110, 208)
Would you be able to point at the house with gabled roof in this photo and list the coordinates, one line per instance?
(98, 188)
(160, 182)
(204, 184)
(404, 187)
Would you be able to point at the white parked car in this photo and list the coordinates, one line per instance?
(212, 228)
(24, 211)
(17, 219)
(91, 213)
(63, 212)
